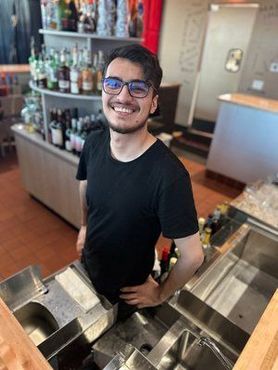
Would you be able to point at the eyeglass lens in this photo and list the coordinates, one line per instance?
(136, 88)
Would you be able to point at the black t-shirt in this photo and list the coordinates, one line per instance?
(129, 205)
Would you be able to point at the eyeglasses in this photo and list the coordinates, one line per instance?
(136, 88)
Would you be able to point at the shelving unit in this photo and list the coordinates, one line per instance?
(89, 36)
(64, 95)
(86, 104)
(48, 173)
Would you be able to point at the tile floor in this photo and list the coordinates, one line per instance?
(32, 234)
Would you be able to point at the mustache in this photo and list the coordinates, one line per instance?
(124, 104)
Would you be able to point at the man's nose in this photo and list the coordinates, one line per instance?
(124, 94)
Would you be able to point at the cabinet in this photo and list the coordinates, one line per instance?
(48, 173)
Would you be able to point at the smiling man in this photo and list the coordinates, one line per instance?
(132, 189)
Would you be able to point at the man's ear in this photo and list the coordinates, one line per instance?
(154, 104)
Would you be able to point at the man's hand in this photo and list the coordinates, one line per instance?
(144, 295)
(81, 240)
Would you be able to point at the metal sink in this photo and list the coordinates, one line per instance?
(37, 321)
(166, 339)
(60, 312)
(231, 295)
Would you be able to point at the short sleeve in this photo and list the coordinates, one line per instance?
(176, 209)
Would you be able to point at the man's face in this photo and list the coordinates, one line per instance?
(126, 114)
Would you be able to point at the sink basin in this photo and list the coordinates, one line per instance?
(240, 284)
(37, 321)
(165, 338)
(204, 316)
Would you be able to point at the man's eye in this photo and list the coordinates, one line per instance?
(140, 87)
(114, 84)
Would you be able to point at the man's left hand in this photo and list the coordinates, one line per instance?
(144, 295)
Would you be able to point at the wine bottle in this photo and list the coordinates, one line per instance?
(63, 74)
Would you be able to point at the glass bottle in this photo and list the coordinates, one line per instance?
(41, 74)
(33, 61)
(99, 72)
(68, 15)
(52, 80)
(63, 74)
(132, 24)
(140, 18)
(87, 73)
(74, 73)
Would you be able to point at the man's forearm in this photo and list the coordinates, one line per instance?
(189, 261)
(177, 278)
(83, 203)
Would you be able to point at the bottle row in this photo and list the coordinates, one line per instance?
(68, 71)
(213, 223)
(122, 18)
(169, 258)
(9, 84)
(207, 228)
(68, 131)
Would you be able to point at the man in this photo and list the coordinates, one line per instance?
(132, 188)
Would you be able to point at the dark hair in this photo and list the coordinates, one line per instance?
(138, 54)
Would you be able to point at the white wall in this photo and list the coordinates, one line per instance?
(182, 31)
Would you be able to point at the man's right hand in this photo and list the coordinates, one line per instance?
(81, 240)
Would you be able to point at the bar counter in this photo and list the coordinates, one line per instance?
(244, 145)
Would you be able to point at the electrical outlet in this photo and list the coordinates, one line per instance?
(274, 67)
(257, 85)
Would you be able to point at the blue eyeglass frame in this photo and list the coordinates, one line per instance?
(126, 83)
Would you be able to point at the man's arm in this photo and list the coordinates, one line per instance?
(151, 293)
(83, 229)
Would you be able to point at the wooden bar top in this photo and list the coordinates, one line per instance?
(261, 350)
(14, 68)
(17, 351)
(252, 101)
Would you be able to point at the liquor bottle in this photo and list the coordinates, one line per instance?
(52, 16)
(68, 15)
(52, 123)
(172, 256)
(72, 133)
(121, 29)
(61, 128)
(44, 13)
(201, 224)
(41, 73)
(172, 252)
(99, 72)
(52, 70)
(94, 70)
(67, 130)
(132, 24)
(87, 20)
(56, 129)
(73, 16)
(140, 18)
(207, 236)
(87, 73)
(33, 61)
(164, 264)
(79, 136)
(63, 74)
(74, 72)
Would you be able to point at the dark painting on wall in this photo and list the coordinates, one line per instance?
(19, 20)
